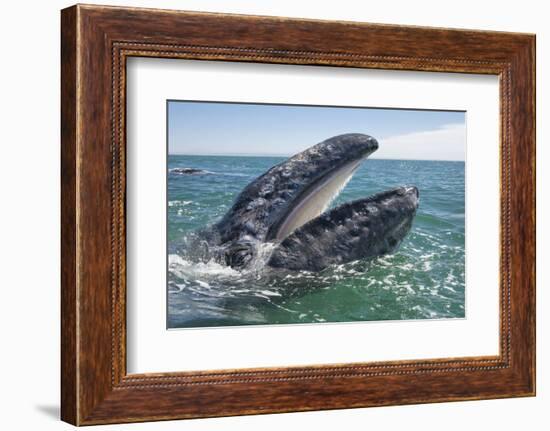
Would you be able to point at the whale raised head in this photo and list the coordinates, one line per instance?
(287, 206)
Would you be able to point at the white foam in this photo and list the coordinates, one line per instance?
(179, 203)
(186, 269)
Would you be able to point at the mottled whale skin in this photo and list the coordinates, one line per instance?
(362, 229)
(286, 206)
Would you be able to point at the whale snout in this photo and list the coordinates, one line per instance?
(408, 195)
(412, 190)
(354, 145)
(413, 194)
(407, 191)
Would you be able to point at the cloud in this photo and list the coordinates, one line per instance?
(445, 143)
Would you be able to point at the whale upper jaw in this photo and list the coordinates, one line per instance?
(294, 191)
(331, 165)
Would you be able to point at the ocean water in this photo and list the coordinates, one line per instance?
(423, 279)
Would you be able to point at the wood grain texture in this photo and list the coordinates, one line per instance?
(96, 41)
(69, 367)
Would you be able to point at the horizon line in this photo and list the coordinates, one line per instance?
(290, 155)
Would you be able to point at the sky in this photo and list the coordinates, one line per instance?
(213, 128)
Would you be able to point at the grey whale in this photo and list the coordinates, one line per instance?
(286, 207)
(188, 171)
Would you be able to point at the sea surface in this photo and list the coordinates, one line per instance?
(423, 279)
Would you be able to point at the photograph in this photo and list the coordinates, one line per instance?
(301, 214)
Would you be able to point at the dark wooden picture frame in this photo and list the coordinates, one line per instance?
(96, 41)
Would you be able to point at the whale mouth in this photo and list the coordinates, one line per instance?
(287, 206)
(330, 165)
(314, 200)
(293, 192)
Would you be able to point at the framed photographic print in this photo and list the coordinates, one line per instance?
(254, 238)
(264, 214)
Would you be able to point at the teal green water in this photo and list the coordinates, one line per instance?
(423, 279)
